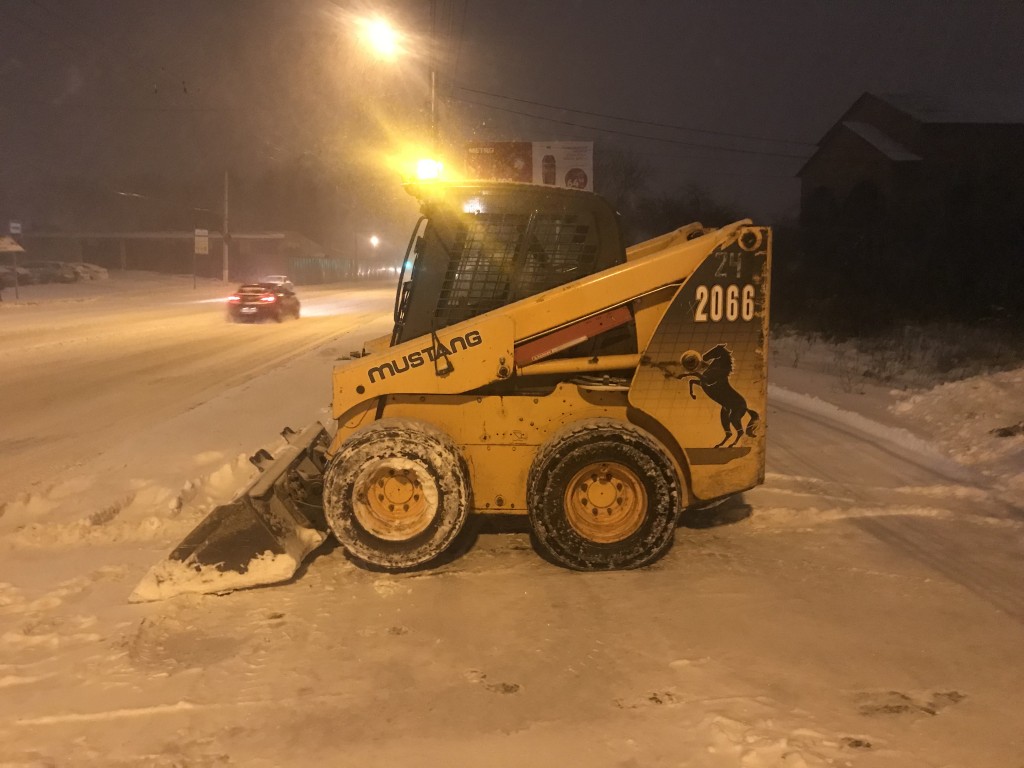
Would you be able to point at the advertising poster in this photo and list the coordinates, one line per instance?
(500, 161)
(568, 164)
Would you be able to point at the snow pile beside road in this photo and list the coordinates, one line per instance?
(901, 439)
(975, 422)
(979, 421)
(77, 511)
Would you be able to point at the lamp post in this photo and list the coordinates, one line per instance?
(434, 133)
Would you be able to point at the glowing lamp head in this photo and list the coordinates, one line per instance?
(381, 37)
(374, 241)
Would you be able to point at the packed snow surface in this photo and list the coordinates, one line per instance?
(861, 608)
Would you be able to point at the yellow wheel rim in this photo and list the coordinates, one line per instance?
(605, 502)
(394, 501)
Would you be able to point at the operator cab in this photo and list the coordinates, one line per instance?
(480, 246)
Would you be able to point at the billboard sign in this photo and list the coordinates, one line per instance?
(567, 164)
(500, 160)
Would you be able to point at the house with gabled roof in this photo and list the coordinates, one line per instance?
(923, 194)
(891, 152)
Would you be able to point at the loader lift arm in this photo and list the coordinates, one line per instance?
(491, 340)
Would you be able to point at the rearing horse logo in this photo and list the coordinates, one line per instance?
(711, 372)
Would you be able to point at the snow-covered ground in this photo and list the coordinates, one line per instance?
(864, 607)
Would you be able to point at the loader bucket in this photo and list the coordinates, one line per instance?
(262, 537)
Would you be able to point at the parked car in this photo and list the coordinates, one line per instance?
(7, 276)
(51, 271)
(281, 280)
(262, 301)
(88, 271)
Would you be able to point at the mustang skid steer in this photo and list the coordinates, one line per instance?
(537, 367)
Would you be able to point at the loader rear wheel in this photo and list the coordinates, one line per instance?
(397, 494)
(603, 495)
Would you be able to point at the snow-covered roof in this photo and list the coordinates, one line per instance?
(982, 107)
(9, 245)
(889, 147)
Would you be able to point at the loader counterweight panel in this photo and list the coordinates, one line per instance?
(703, 374)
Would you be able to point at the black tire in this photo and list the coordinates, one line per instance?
(423, 494)
(603, 495)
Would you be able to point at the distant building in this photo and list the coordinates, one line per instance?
(894, 153)
(914, 207)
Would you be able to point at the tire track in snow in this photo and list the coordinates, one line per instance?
(993, 574)
(986, 560)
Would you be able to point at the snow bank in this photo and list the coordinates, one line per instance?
(978, 421)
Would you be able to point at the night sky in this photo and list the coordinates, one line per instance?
(729, 95)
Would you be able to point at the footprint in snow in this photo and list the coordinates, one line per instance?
(478, 677)
(881, 703)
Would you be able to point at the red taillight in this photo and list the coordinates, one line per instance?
(233, 299)
(268, 297)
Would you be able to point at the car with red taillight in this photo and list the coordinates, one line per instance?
(262, 301)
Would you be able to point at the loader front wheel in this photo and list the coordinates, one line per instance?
(397, 494)
(603, 495)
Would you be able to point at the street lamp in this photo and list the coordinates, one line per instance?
(387, 42)
(381, 37)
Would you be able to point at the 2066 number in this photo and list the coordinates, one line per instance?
(730, 302)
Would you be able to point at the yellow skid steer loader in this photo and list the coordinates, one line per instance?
(537, 367)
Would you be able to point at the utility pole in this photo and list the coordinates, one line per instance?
(434, 133)
(224, 237)
(355, 252)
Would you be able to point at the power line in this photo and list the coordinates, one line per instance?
(134, 107)
(679, 142)
(653, 124)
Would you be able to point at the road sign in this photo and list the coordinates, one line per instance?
(202, 242)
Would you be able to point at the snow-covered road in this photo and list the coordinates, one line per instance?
(864, 607)
(89, 364)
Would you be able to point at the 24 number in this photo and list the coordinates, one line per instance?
(730, 303)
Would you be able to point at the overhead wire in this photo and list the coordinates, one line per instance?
(628, 134)
(748, 137)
